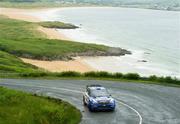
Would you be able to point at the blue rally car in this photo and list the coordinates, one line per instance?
(97, 98)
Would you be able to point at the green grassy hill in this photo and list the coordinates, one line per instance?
(15, 29)
(21, 108)
(21, 38)
(10, 63)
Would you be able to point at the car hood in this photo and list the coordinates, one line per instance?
(103, 99)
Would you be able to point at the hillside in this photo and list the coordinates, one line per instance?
(10, 63)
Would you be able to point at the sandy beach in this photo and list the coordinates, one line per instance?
(59, 66)
(52, 66)
(26, 15)
(20, 14)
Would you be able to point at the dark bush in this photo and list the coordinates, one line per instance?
(37, 74)
(132, 76)
(90, 74)
(102, 74)
(153, 78)
(160, 79)
(117, 75)
(168, 79)
(69, 74)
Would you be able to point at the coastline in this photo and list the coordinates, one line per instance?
(53, 66)
(20, 14)
(26, 15)
(135, 63)
(145, 58)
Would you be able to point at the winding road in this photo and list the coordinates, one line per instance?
(136, 103)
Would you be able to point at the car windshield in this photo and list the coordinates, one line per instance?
(99, 92)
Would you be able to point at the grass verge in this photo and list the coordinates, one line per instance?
(129, 77)
(17, 107)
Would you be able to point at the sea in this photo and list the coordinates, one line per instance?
(153, 37)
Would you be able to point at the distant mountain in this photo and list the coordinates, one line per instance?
(153, 4)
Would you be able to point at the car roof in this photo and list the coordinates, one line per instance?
(95, 87)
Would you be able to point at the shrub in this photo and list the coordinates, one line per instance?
(69, 74)
(117, 75)
(132, 76)
(90, 74)
(102, 74)
(153, 78)
(35, 74)
(160, 79)
(168, 79)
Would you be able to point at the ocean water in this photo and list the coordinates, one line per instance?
(151, 35)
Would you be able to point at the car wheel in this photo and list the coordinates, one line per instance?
(113, 110)
(84, 101)
(90, 109)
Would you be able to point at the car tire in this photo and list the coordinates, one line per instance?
(112, 110)
(90, 109)
(84, 101)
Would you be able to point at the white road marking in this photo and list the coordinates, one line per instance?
(139, 115)
(76, 91)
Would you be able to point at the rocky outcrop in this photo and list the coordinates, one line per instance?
(112, 51)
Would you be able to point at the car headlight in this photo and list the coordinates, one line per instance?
(93, 101)
(112, 101)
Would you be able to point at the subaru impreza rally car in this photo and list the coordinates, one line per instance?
(97, 98)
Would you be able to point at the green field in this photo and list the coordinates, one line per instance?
(21, 38)
(17, 107)
(15, 29)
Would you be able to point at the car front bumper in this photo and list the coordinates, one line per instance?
(102, 107)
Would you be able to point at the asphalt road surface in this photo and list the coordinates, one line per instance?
(136, 103)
